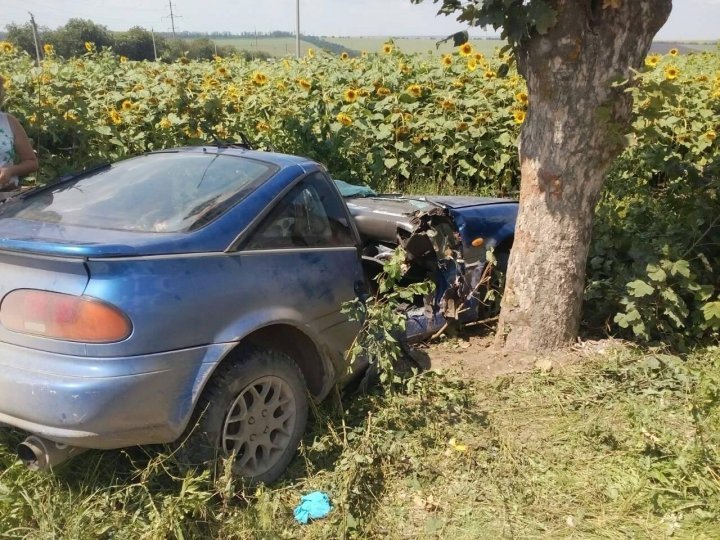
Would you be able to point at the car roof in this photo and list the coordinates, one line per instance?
(281, 160)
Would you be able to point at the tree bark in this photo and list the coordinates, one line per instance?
(574, 128)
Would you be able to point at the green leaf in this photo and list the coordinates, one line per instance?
(639, 288)
(656, 273)
(711, 311)
(680, 267)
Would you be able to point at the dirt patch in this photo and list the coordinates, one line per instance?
(471, 353)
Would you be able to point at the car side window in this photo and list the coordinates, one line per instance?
(311, 215)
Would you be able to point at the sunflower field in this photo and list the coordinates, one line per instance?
(434, 123)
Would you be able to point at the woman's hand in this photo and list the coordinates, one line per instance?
(5, 177)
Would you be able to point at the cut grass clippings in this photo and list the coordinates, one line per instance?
(623, 445)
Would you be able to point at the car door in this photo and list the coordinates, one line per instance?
(306, 247)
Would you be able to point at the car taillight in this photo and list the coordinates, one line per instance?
(63, 316)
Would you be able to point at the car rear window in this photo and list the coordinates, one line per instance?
(163, 192)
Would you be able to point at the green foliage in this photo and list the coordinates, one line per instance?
(623, 445)
(443, 124)
(383, 322)
(656, 248)
(519, 19)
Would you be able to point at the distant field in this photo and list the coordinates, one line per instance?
(286, 46)
(272, 46)
(412, 45)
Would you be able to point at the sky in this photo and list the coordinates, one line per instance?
(690, 19)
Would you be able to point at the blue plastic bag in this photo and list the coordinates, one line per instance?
(314, 505)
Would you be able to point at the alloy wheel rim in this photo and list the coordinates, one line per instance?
(259, 424)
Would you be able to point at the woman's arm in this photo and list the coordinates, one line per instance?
(27, 160)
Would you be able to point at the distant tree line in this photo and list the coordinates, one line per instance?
(135, 44)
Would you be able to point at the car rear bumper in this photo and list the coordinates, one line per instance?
(103, 402)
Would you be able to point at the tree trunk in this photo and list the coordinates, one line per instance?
(573, 130)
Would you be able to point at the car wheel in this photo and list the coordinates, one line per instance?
(255, 410)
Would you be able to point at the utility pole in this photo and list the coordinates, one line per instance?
(35, 37)
(172, 18)
(297, 28)
(152, 33)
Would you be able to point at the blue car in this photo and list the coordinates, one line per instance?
(194, 294)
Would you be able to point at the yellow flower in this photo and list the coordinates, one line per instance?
(89, 46)
(259, 78)
(311, 53)
(472, 64)
(456, 446)
(671, 73)
(165, 123)
(262, 126)
(33, 118)
(222, 71)
(123, 59)
(458, 83)
(344, 56)
(281, 86)
(344, 119)
(48, 49)
(114, 117)
(519, 116)
(304, 84)
(490, 74)
(387, 48)
(7, 47)
(673, 52)
(447, 60)
(70, 116)
(652, 60)
(415, 90)
(711, 135)
(448, 104)
(480, 57)
(350, 95)
(466, 49)
(521, 97)
(127, 105)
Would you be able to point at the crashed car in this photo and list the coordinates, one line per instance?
(195, 295)
(446, 240)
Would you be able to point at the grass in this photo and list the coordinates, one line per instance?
(625, 445)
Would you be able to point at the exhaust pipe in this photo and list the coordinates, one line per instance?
(39, 454)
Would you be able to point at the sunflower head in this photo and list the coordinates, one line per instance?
(49, 49)
(7, 47)
(673, 52)
(652, 60)
(518, 116)
(671, 73)
(344, 119)
(387, 48)
(304, 84)
(521, 97)
(472, 64)
(711, 135)
(350, 95)
(259, 78)
(89, 46)
(466, 49)
(446, 60)
(344, 56)
(127, 105)
(383, 91)
(414, 90)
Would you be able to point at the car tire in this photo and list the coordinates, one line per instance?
(254, 408)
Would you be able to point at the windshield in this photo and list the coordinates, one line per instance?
(164, 192)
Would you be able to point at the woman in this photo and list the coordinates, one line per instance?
(16, 154)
